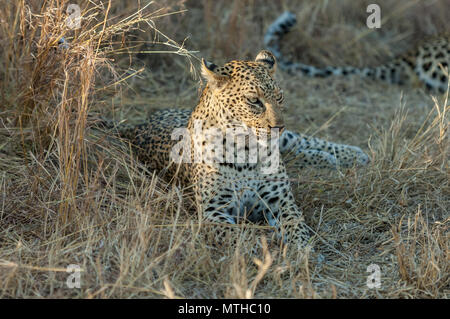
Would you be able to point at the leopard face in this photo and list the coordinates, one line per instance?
(244, 92)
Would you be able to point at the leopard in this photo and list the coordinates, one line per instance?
(425, 65)
(239, 96)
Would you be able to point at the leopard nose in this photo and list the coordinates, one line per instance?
(280, 127)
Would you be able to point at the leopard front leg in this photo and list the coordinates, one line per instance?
(312, 151)
(281, 211)
(217, 206)
(272, 202)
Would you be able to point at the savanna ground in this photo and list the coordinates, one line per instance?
(71, 194)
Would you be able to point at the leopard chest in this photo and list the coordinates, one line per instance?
(239, 190)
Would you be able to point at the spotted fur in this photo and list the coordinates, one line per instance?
(427, 64)
(239, 93)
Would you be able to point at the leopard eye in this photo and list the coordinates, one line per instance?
(254, 101)
(279, 98)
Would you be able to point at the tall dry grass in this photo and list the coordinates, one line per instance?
(71, 194)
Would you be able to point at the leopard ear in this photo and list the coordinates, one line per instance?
(267, 59)
(213, 74)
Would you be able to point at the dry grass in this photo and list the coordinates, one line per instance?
(70, 195)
